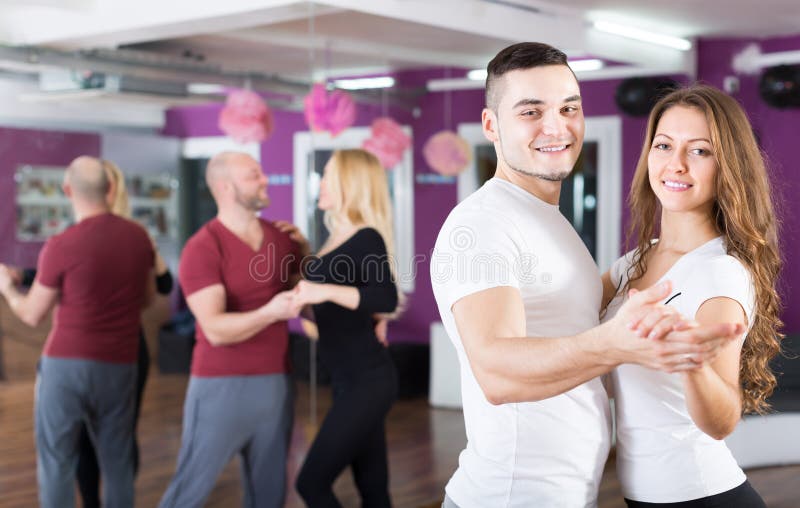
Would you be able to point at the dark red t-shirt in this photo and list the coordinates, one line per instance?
(101, 267)
(215, 255)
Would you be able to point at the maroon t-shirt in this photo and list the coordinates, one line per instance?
(215, 255)
(101, 267)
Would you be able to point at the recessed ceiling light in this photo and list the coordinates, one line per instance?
(364, 83)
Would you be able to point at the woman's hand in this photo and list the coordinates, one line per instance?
(310, 293)
(295, 235)
(7, 277)
(382, 330)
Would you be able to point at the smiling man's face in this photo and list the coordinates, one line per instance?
(538, 124)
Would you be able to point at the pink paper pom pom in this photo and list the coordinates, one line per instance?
(447, 153)
(388, 142)
(246, 117)
(333, 112)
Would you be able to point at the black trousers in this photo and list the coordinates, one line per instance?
(352, 434)
(743, 496)
(88, 473)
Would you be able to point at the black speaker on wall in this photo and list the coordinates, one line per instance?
(780, 86)
(637, 96)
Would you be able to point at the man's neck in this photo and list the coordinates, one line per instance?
(238, 220)
(546, 190)
(84, 211)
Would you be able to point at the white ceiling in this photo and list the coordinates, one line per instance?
(357, 36)
(695, 18)
(301, 40)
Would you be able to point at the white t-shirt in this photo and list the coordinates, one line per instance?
(662, 456)
(549, 453)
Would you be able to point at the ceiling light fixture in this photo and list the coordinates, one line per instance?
(644, 35)
(584, 65)
(364, 83)
(206, 89)
(477, 75)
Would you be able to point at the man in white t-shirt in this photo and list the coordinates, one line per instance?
(520, 296)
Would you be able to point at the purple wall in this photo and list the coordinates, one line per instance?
(777, 129)
(276, 152)
(36, 147)
(434, 201)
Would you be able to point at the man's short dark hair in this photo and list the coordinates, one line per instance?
(523, 55)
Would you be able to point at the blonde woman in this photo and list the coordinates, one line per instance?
(701, 190)
(88, 471)
(347, 283)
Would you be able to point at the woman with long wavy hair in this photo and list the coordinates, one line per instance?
(701, 217)
(350, 281)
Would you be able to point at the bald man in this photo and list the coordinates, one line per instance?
(98, 275)
(236, 272)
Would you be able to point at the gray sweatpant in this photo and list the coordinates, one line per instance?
(70, 392)
(224, 416)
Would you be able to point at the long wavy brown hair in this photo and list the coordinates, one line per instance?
(743, 214)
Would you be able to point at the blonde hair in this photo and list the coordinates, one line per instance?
(743, 214)
(119, 203)
(358, 184)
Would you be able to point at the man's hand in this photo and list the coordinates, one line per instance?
(642, 312)
(656, 336)
(295, 235)
(283, 306)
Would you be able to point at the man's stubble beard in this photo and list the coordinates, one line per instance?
(255, 203)
(558, 177)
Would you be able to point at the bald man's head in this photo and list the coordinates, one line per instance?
(87, 179)
(220, 166)
(237, 178)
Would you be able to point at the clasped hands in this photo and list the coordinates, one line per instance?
(653, 335)
(288, 304)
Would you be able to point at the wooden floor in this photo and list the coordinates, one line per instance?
(423, 444)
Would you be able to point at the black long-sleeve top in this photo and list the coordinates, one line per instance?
(347, 341)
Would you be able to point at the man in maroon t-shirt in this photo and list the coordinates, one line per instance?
(98, 276)
(236, 273)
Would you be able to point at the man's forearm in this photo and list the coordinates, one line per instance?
(528, 369)
(17, 304)
(234, 327)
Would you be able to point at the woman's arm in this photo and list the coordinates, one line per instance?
(609, 289)
(378, 293)
(313, 293)
(712, 391)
